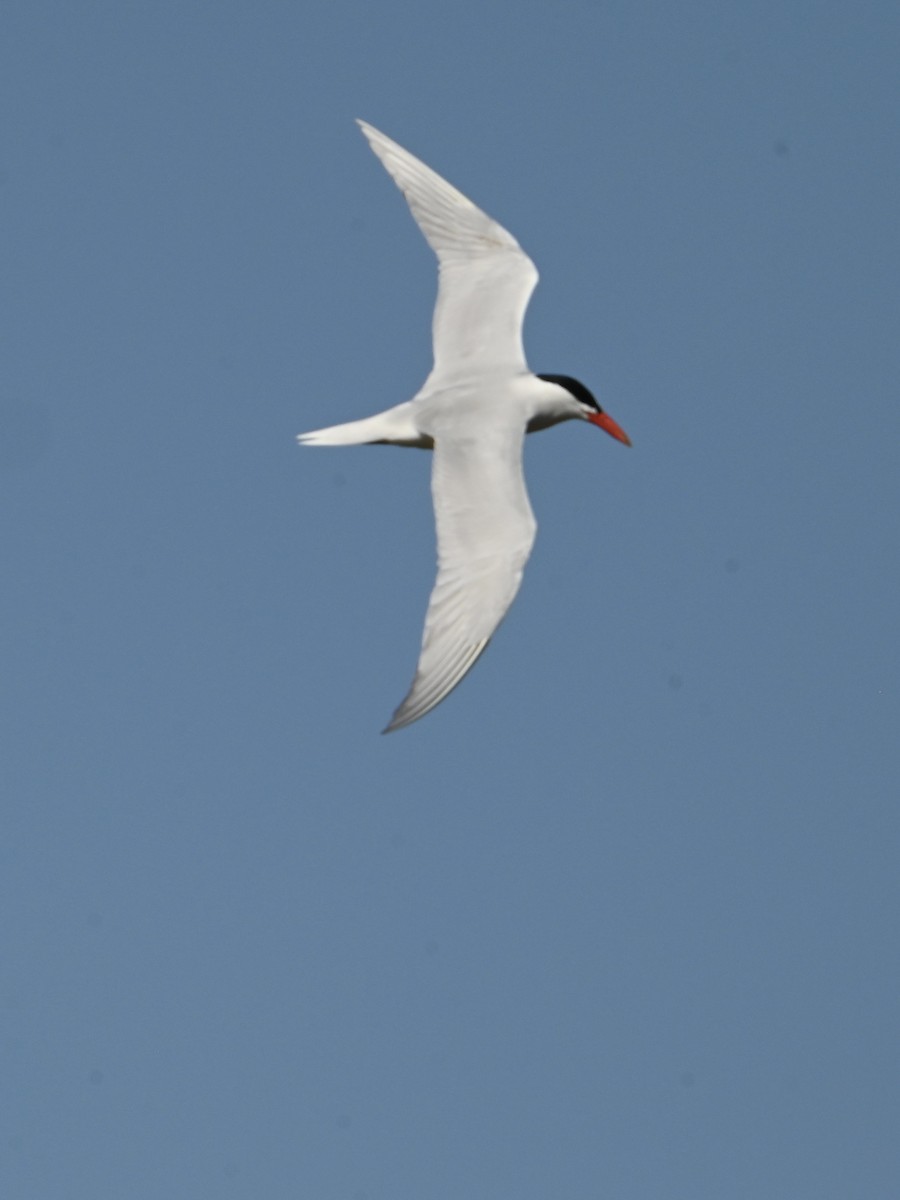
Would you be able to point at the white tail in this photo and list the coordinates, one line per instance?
(352, 433)
(394, 427)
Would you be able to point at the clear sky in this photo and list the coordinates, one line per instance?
(620, 918)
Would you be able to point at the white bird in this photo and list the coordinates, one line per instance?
(473, 411)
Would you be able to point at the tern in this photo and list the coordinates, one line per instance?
(473, 412)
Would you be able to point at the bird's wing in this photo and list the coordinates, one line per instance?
(485, 531)
(485, 278)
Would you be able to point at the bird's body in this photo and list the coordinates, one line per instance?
(473, 411)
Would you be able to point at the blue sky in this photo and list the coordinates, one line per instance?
(620, 917)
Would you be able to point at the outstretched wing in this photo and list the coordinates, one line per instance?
(485, 531)
(485, 278)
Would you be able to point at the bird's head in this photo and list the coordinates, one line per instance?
(582, 404)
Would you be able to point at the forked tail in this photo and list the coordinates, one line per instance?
(351, 433)
(393, 428)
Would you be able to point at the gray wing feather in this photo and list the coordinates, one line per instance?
(485, 277)
(485, 531)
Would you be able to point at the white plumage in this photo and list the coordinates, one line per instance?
(473, 410)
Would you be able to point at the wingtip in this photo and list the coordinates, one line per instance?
(403, 715)
(426, 694)
(394, 723)
(373, 136)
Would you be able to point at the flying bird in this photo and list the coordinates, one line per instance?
(473, 412)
